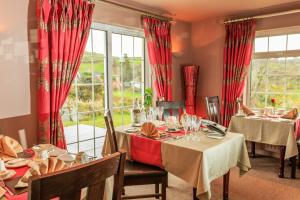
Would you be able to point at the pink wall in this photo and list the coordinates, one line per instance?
(207, 41)
(10, 126)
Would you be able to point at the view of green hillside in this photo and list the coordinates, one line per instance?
(127, 85)
(277, 78)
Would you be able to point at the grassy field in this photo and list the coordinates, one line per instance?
(99, 120)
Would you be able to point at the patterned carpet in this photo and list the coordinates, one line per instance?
(260, 183)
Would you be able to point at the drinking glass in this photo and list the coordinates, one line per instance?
(186, 123)
(160, 112)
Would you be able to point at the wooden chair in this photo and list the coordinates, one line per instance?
(67, 184)
(171, 107)
(138, 173)
(213, 109)
(298, 144)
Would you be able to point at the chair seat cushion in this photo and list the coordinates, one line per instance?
(139, 169)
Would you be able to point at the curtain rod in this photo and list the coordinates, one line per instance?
(136, 10)
(263, 16)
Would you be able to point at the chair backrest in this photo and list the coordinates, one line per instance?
(171, 107)
(67, 184)
(213, 109)
(111, 134)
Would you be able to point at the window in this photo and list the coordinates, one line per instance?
(111, 76)
(275, 71)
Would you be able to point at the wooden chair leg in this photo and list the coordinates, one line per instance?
(195, 194)
(167, 179)
(156, 190)
(226, 185)
(164, 188)
(299, 156)
(253, 155)
(281, 168)
(294, 166)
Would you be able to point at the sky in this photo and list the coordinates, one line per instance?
(121, 44)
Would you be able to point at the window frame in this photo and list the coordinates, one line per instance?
(271, 54)
(108, 98)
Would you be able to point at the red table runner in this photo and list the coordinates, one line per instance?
(146, 150)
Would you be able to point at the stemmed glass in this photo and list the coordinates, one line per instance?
(197, 128)
(186, 123)
(160, 112)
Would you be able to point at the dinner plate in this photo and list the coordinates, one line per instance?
(173, 131)
(131, 130)
(136, 125)
(15, 163)
(7, 174)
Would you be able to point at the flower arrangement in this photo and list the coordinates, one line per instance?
(273, 102)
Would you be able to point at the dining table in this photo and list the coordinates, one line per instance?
(272, 131)
(22, 193)
(195, 158)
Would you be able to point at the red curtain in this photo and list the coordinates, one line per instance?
(63, 29)
(190, 73)
(158, 37)
(237, 57)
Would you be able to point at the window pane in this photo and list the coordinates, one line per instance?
(261, 44)
(276, 84)
(99, 102)
(138, 75)
(86, 126)
(293, 42)
(258, 75)
(138, 47)
(85, 98)
(276, 65)
(86, 146)
(293, 84)
(116, 45)
(118, 117)
(99, 124)
(99, 54)
(257, 100)
(126, 116)
(127, 46)
(72, 148)
(128, 95)
(84, 74)
(293, 100)
(70, 128)
(293, 65)
(277, 43)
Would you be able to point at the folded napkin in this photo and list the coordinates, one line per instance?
(247, 111)
(148, 129)
(10, 146)
(49, 165)
(293, 114)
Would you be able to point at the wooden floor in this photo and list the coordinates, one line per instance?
(261, 183)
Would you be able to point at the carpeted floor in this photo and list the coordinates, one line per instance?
(260, 183)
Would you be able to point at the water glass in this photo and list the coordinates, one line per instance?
(160, 112)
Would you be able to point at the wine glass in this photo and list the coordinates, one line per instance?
(160, 112)
(186, 123)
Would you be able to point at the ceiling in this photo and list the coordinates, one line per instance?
(196, 10)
